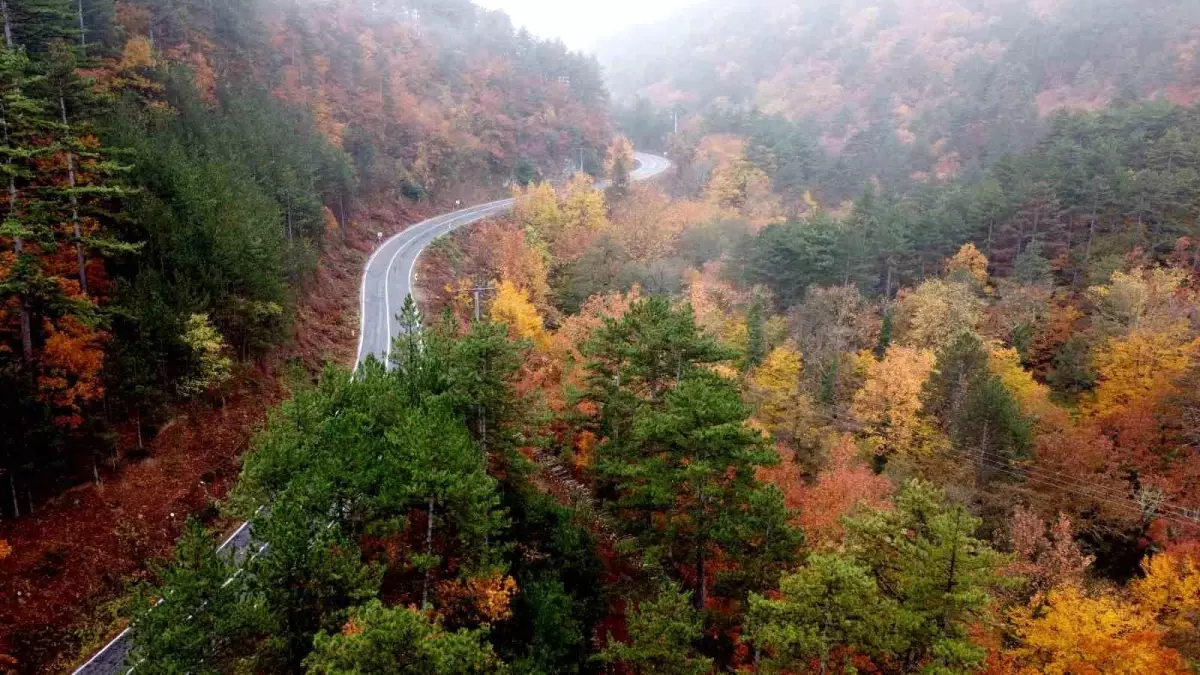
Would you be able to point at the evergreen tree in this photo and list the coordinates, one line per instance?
(687, 479)
(378, 639)
(926, 560)
(648, 351)
(903, 590)
(831, 602)
(208, 619)
(756, 335)
(662, 632)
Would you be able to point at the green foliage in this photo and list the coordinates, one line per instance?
(559, 575)
(662, 634)
(378, 639)
(208, 618)
(352, 461)
(937, 572)
(904, 590)
(649, 349)
(831, 602)
(788, 258)
(1074, 372)
(756, 335)
(208, 348)
(555, 637)
(678, 454)
(980, 414)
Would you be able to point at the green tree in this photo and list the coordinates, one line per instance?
(662, 633)
(687, 477)
(756, 335)
(648, 350)
(925, 559)
(979, 413)
(209, 618)
(379, 640)
(831, 602)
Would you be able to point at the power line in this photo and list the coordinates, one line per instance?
(1123, 503)
(1104, 490)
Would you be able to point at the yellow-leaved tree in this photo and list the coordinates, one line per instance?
(618, 157)
(1148, 299)
(513, 308)
(536, 210)
(1170, 591)
(888, 405)
(742, 188)
(583, 206)
(775, 391)
(1142, 367)
(934, 314)
(1032, 396)
(969, 265)
(1072, 633)
(213, 366)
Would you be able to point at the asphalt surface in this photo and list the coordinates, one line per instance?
(387, 280)
(111, 659)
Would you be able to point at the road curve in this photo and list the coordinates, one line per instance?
(388, 277)
(387, 280)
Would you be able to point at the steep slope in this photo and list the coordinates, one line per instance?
(232, 162)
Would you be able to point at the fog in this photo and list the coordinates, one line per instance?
(581, 25)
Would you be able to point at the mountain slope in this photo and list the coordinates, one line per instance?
(903, 87)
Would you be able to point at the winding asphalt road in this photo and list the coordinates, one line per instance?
(387, 280)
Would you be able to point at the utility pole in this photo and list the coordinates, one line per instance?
(581, 159)
(676, 114)
(479, 291)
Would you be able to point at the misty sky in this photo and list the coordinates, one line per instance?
(581, 23)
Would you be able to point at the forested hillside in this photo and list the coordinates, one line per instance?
(182, 179)
(905, 91)
(897, 373)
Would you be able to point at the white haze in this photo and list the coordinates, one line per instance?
(581, 25)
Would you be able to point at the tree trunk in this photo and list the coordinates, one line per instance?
(342, 213)
(1037, 217)
(82, 29)
(1087, 251)
(428, 551)
(12, 486)
(701, 580)
(8, 38)
(983, 441)
(19, 249)
(83, 287)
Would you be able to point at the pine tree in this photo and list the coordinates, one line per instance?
(691, 463)
(831, 602)
(756, 337)
(378, 639)
(927, 561)
(208, 618)
(662, 631)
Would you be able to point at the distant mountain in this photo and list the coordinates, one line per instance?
(904, 87)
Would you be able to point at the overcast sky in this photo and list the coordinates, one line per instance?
(582, 23)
